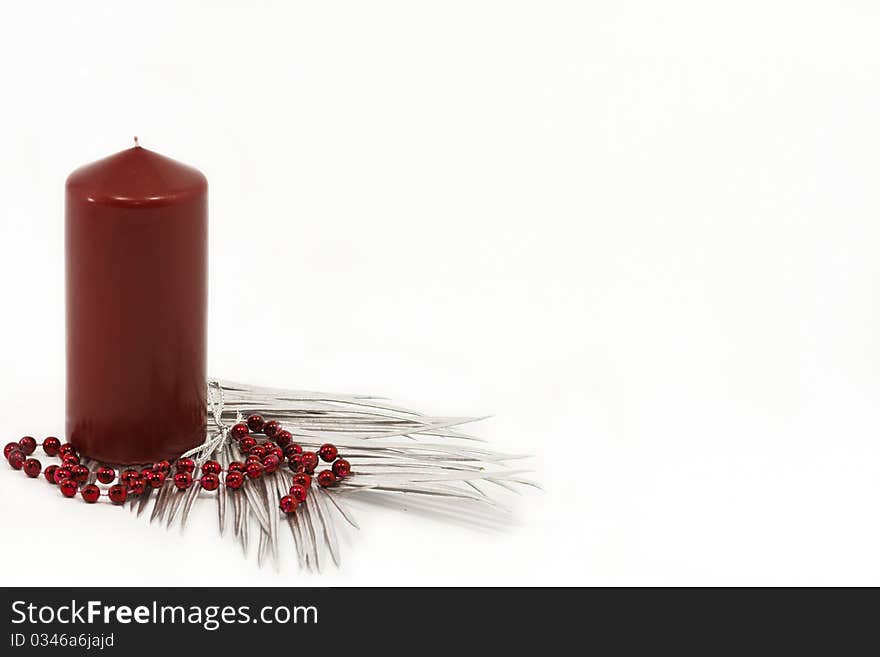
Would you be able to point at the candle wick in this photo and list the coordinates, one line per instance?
(136, 144)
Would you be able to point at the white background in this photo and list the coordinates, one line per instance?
(643, 235)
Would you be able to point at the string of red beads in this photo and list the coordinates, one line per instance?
(279, 447)
(260, 458)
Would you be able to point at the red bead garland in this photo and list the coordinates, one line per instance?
(72, 477)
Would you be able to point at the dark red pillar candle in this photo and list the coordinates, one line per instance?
(136, 241)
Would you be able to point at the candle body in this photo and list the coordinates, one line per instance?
(136, 266)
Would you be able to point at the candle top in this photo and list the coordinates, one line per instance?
(136, 177)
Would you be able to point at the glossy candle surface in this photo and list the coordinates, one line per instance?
(136, 248)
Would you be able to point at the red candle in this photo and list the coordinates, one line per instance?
(136, 241)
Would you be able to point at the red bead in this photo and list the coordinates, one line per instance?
(49, 473)
(90, 493)
(293, 448)
(341, 469)
(16, 459)
(255, 423)
(68, 488)
(27, 445)
(210, 481)
(156, 479)
(302, 479)
(247, 444)
(298, 492)
(283, 437)
(162, 466)
(295, 463)
(79, 473)
(259, 451)
(236, 466)
(328, 452)
(67, 450)
(51, 445)
(185, 465)
(288, 504)
(309, 461)
(271, 463)
(32, 468)
(254, 470)
(61, 474)
(183, 480)
(145, 474)
(211, 467)
(137, 485)
(8, 449)
(271, 428)
(127, 475)
(239, 431)
(70, 462)
(326, 478)
(117, 493)
(105, 475)
(234, 479)
(252, 459)
(279, 454)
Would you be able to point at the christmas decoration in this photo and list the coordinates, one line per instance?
(145, 430)
(275, 457)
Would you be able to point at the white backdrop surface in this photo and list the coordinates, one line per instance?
(641, 235)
